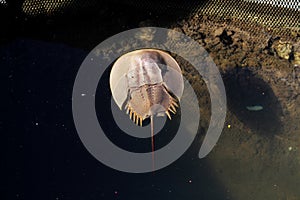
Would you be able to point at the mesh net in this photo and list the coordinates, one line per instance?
(280, 17)
(54, 7)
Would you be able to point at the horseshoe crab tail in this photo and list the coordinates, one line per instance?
(152, 140)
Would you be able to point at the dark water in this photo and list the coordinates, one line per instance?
(45, 158)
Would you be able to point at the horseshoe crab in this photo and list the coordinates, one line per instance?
(146, 83)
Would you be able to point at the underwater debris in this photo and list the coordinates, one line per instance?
(254, 108)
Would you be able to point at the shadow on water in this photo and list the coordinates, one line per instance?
(252, 100)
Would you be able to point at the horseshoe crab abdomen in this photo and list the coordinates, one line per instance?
(150, 100)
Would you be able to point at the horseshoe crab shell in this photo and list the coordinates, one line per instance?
(144, 82)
